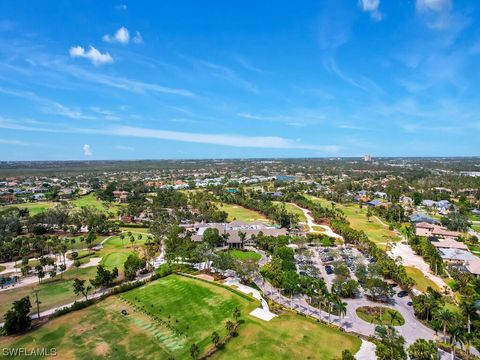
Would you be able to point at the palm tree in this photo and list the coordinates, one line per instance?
(215, 338)
(230, 327)
(330, 301)
(468, 309)
(445, 316)
(341, 307)
(236, 314)
(194, 351)
(468, 338)
(394, 317)
(455, 337)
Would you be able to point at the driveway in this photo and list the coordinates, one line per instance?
(409, 258)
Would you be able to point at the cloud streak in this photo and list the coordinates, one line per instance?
(96, 57)
(242, 141)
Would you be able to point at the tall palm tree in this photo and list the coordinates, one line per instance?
(445, 316)
(455, 338)
(468, 338)
(469, 310)
(341, 307)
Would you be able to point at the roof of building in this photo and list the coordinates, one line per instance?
(473, 266)
(456, 254)
(450, 243)
(417, 217)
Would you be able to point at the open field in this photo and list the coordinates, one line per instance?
(89, 200)
(245, 255)
(380, 315)
(236, 212)
(288, 336)
(34, 208)
(421, 282)
(358, 220)
(187, 311)
(294, 210)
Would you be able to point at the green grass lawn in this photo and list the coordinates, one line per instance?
(245, 255)
(294, 210)
(134, 230)
(359, 221)
(288, 336)
(236, 212)
(318, 228)
(35, 208)
(81, 244)
(115, 259)
(476, 228)
(187, 312)
(421, 282)
(89, 200)
(31, 262)
(53, 292)
(379, 315)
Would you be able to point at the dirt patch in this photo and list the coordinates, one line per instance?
(205, 277)
(80, 329)
(101, 349)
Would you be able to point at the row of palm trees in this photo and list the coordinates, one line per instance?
(318, 295)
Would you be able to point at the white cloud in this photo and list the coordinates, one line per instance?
(138, 39)
(95, 56)
(433, 5)
(87, 151)
(121, 36)
(371, 6)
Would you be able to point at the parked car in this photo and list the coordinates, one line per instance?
(402, 294)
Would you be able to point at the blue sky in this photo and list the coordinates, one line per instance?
(223, 79)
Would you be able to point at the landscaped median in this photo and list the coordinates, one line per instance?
(380, 315)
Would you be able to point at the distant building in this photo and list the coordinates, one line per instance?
(367, 158)
(233, 231)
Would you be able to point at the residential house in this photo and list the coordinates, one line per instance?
(433, 230)
(121, 196)
(418, 218)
